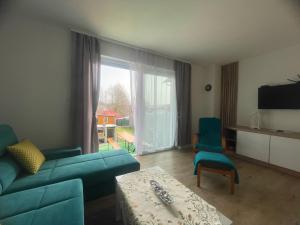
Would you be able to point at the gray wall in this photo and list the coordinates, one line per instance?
(35, 80)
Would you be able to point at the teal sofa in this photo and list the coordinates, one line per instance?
(60, 203)
(65, 180)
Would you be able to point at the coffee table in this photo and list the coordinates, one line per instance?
(137, 203)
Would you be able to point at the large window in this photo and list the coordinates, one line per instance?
(115, 118)
(160, 112)
(137, 106)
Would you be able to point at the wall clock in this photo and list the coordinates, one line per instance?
(208, 87)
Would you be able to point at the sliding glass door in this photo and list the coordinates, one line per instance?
(114, 114)
(142, 101)
(154, 108)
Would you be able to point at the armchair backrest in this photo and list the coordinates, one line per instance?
(210, 131)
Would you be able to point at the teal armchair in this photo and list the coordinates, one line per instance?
(210, 135)
(209, 156)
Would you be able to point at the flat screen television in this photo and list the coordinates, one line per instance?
(279, 97)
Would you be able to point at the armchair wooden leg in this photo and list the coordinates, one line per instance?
(198, 175)
(232, 180)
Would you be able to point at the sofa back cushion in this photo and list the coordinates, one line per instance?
(9, 170)
(7, 137)
(28, 155)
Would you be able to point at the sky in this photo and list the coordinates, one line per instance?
(157, 88)
(111, 76)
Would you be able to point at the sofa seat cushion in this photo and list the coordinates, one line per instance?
(91, 168)
(60, 203)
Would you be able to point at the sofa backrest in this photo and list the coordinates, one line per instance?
(7, 137)
(9, 169)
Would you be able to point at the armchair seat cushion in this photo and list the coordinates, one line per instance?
(93, 169)
(216, 161)
(58, 204)
(209, 148)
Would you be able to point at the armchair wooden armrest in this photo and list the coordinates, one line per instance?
(195, 139)
(224, 142)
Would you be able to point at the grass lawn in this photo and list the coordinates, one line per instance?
(108, 147)
(126, 129)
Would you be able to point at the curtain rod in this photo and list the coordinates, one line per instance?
(129, 45)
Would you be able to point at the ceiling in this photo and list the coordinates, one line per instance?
(201, 31)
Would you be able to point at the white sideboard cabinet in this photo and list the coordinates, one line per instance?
(285, 152)
(253, 145)
(278, 148)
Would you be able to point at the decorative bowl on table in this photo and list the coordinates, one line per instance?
(161, 192)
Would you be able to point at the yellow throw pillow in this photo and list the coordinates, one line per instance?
(28, 155)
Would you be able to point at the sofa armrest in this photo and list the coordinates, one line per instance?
(61, 152)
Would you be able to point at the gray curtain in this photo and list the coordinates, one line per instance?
(86, 85)
(183, 95)
(229, 91)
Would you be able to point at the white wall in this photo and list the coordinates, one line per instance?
(272, 68)
(214, 76)
(35, 80)
(204, 104)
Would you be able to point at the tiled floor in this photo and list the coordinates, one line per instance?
(263, 197)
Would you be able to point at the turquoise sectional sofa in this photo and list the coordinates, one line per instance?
(60, 203)
(55, 194)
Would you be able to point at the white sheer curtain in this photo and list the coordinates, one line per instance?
(153, 97)
(153, 92)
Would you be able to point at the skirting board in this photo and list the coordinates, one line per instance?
(267, 165)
